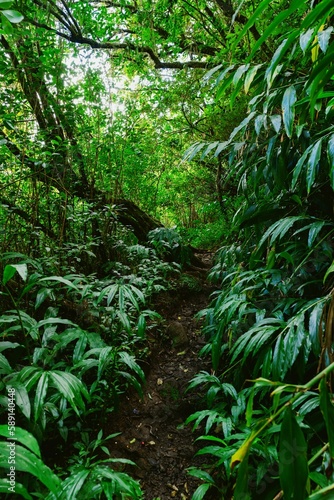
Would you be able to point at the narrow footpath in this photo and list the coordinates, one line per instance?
(152, 428)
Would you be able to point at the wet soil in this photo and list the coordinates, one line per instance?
(153, 434)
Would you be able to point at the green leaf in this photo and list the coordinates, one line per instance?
(40, 395)
(288, 109)
(5, 368)
(24, 437)
(61, 280)
(276, 121)
(251, 73)
(13, 16)
(329, 271)
(212, 71)
(80, 347)
(130, 361)
(22, 399)
(5, 4)
(312, 164)
(324, 38)
(298, 168)
(5, 344)
(274, 67)
(201, 474)
(315, 229)
(199, 493)
(306, 38)
(293, 467)
(323, 494)
(26, 461)
(72, 485)
(314, 323)
(327, 409)
(8, 273)
(19, 489)
(330, 153)
(70, 387)
(252, 20)
(107, 354)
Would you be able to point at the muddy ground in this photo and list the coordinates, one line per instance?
(152, 428)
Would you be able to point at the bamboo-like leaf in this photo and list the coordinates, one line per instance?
(70, 387)
(71, 487)
(274, 66)
(239, 73)
(242, 125)
(314, 323)
(327, 409)
(107, 354)
(315, 229)
(212, 71)
(5, 368)
(251, 74)
(252, 20)
(292, 458)
(193, 150)
(8, 273)
(13, 16)
(200, 491)
(22, 399)
(318, 14)
(279, 229)
(329, 271)
(40, 395)
(312, 164)
(323, 494)
(276, 121)
(61, 280)
(288, 109)
(330, 153)
(141, 326)
(324, 37)
(259, 123)
(80, 347)
(298, 168)
(6, 4)
(201, 474)
(22, 436)
(306, 38)
(26, 461)
(279, 358)
(19, 489)
(124, 319)
(130, 361)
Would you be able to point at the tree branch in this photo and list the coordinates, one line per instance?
(158, 64)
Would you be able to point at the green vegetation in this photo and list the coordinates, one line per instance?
(130, 133)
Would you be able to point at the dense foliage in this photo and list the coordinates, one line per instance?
(118, 118)
(274, 314)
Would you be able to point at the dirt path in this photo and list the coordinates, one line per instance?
(153, 434)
